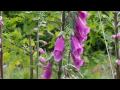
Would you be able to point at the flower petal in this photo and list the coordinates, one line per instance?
(47, 72)
(57, 55)
(78, 62)
(76, 48)
(59, 48)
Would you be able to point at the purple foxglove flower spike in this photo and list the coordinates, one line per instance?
(78, 62)
(81, 26)
(59, 49)
(41, 51)
(47, 72)
(76, 48)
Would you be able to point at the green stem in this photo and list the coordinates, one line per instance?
(37, 53)
(1, 54)
(69, 57)
(31, 59)
(62, 28)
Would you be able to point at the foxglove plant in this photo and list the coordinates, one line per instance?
(76, 51)
(47, 71)
(59, 49)
(117, 49)
(81, 31)
(1, 55)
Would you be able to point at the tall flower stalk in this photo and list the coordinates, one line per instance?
(117, 76)
(31, 59)
(81, 31)
(60, 63)
(1, 52)
(37, 53)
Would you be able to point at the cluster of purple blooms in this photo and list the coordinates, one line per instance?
(47, 68)
(81, 31)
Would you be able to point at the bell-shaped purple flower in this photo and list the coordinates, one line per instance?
(1, 21)
(80, 25)
(47, 72)
(59, 49)
(81, 29)
(76, 48)
(78, 62)
(83, 15)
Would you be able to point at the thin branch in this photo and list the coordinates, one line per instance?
(109, 58)
(31, 59)
(37, 53)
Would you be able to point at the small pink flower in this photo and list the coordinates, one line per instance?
(114, 36)
(118, 62)
(42, 60)
(41, 51)
(118, 35)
